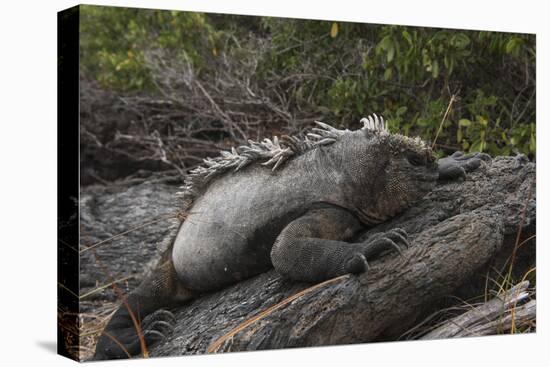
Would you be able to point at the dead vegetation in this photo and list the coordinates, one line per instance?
(189, 117)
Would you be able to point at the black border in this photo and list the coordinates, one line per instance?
(68, 181)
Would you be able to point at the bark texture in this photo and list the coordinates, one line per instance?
(500, 313)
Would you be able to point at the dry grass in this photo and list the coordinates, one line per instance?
(92, 324)
(505, 322)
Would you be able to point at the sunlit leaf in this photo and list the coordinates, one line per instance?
(407, 36)
(464, 122)
(435, 69)
(513, 45)
(384, 44)
(334, 30)
(476, 146)
(391, 53)
(532, 144)
(460, 40)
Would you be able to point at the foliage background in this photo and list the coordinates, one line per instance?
(163, 89)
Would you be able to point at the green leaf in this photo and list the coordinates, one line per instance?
(476, 146)
(482, 120)
(464, 122)
(391, 53)
(423, 122)
(513, 45)
(407, 36)
(387, 74)
(532, 144)
(451, 65)
(384, 44)
(401, 110)
(460, 41)
(426, 61)
(435, 69)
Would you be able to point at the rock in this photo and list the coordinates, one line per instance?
(146, 211)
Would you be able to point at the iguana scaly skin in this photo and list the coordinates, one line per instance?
(297, 215)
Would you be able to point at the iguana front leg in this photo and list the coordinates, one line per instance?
(312, 248)
(457, 164)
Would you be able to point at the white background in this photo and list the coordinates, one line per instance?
(28, 181)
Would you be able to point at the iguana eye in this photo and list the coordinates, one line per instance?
(416, 159)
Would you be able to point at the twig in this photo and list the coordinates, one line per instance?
(518, 235)
(98, 289)
(453, 98)
(214, 346)
(165, 217)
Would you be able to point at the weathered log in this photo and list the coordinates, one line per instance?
(490, 317)
(521, 316)
(456, 231)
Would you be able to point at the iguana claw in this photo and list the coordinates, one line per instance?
(384, 241)
(124, 342)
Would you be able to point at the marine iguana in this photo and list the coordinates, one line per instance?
(242, 218)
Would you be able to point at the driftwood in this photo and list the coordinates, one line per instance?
(496, 315)
(459, 232)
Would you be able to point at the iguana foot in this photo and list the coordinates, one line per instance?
(158, 325)
(456, 165)
(356, 264)
(392, 240)
(125, 343)
(386, 241)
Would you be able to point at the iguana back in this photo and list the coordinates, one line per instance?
(230, 229)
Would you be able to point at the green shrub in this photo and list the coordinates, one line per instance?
(113, 41)
(342, 71)
(408, 74)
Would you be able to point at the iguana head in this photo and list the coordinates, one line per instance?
(390, 171)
